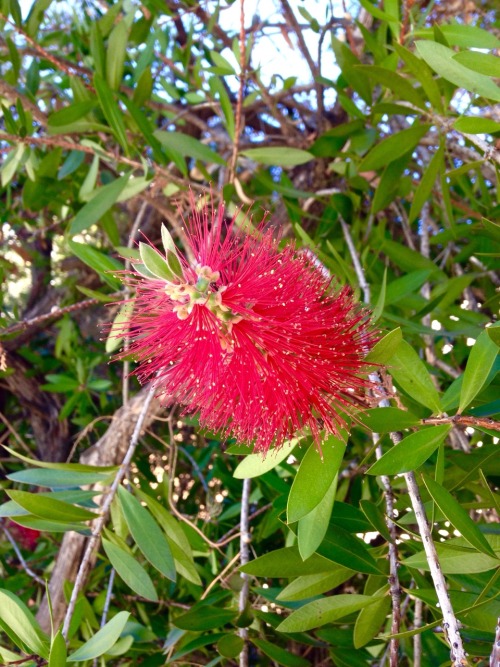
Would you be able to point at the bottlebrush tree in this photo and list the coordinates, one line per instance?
(249, 347)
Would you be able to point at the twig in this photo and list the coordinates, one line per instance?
(244, 558)
(99, 523)
(450, 623)
(20, 558)
(220, 576)
(55, 314)
(16, 435)
(107, 602)
(417, 639)
(239, 102)
(481, 422)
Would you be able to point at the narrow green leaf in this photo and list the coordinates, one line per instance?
(309, 585)
(71, 113)
(476, 125)
(458, 517)
(167, 240)
(401, 287)
(287, 562)
(255, 465)
(410, 373)
(455, 557)
(204, 617)
(97, 260)
(155, 263)
(118, 328)
(103, 640)
(376, 517)
(314, 477)
(348, 550)
(50, 508)
(412, 452)
(58, 651)
(188, 146)
(93, 210)
(147, 534)
(132, 573)
(174, 264)
(111, 110)
(278, 156)
(379, 306)
(383, 351)
(442, 61)
(480, 362)
(59, 479)
(484, 63)
(371, 619)
(312, 527)
(320, 612)
(427, 183)
(115, 54)
(21, 626)
(395, 82)
(385, 420)
(393, 147)
(60, 466)
(280, 655)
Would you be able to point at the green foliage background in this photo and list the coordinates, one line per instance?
(110, 113)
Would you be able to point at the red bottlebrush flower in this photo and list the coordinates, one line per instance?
(253, 337)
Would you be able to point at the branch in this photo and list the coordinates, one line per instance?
(98, 526)
(244, 558)
(464, 420)
(239, 103)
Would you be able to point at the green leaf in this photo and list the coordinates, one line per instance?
(442, 61)
(480, 362)
(132, 573)
(278, 156)
(287, 562)
(167, 240)
(371, 619)
(395, 82)
(70, 114)
(97, 260)
(59, 479)
(314, 477)
(348, 550)
(412, 452)
(118, 328)
(230, 646)
(376, 517)
(204, 617)
(255, 465)
(379, 306)
(320, 612)
(476, 125)
(385, 420)
(93, 210)
(155, 263)
(280, 655)
(466, 35)
(410, 373)
(111, 110)
(188, 146)
(21, 626)
(494, 333)
(393, 147)
(383, 351)
(50, 508)
(427, 183)
(407, 284)
(312, 527)
(484, 63)
(147, 534)
(103, 640)
(309, 585)
(455, 558)
(58, 651)
(80, 467)
(115, 54)
(457, 516)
